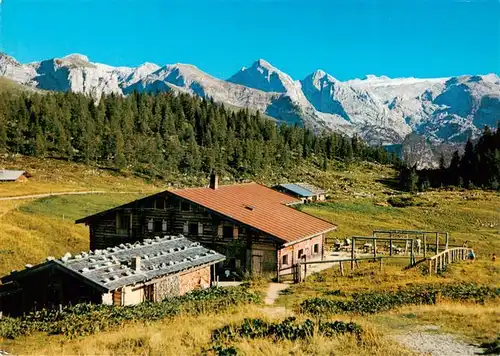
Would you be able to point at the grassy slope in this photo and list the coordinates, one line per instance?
(31, 230)
(472, 216)
(355, 191)
(49, 175)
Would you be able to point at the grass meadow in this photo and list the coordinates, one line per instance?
(30, 230)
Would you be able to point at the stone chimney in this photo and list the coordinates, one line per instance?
(136, 263)
(214, 181)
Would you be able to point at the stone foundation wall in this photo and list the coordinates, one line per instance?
(167, 287)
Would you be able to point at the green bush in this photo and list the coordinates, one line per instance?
(87, 319)
(374, 302)
(288, 329)
(401, 202)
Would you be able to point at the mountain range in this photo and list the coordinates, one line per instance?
(381, 110)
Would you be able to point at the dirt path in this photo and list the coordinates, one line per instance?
(425, 340)
(273, 292)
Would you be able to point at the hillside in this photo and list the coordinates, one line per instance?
(358, 202)
(381, 110)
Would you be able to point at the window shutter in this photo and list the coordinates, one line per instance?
(164, 225)
(200, 229)
(185, 228)
(235, 232)
(150, 225)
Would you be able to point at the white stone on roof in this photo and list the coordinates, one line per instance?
(165, 256)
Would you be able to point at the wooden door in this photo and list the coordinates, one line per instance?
(256, 264)
(149, 293)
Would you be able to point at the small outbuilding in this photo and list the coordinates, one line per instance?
(127, 274)
(303, 191)
(13, 176)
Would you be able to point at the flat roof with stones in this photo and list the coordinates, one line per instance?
(131, 263)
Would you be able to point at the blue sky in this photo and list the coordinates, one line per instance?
(348, 38)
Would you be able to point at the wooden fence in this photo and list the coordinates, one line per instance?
(299, 270)
(438, 262)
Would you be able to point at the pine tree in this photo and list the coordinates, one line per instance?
(324, 166)
(119, 159)
(442, 162)
(3, 134)
(408, 179)
(40, 144)
(468, 163)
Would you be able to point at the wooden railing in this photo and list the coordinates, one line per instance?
(299, 270)
(438, 262)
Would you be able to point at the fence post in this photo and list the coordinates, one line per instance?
(305, 268)
(353, 244)
(430, 266)
(437, 243)
(425, 246)
(381, 267)
(390, 247)
(436, 261)
(411, 253)
(374, 248)
(341, 269)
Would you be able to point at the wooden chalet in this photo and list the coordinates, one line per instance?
(252, 225)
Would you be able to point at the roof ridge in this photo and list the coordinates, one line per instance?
(219, 187)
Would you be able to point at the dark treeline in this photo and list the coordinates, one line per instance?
(479, 167)
(161, 133)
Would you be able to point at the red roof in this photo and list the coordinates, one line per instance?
(259, 207)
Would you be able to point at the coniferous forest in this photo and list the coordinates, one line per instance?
(156, 134)
(479, 167)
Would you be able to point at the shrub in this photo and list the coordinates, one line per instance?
(87, 319)
(401, 202)
(288, 329)
(374, 302)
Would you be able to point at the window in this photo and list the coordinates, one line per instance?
(150, 224)
(185, 228)
(164, 225)
(200, 229)
(185, 206)
(227, 231)
(193, 229)
(123, 222)
(316, 248)
(301, 253)
(160, 204)
(158, 226)
(284, 260)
